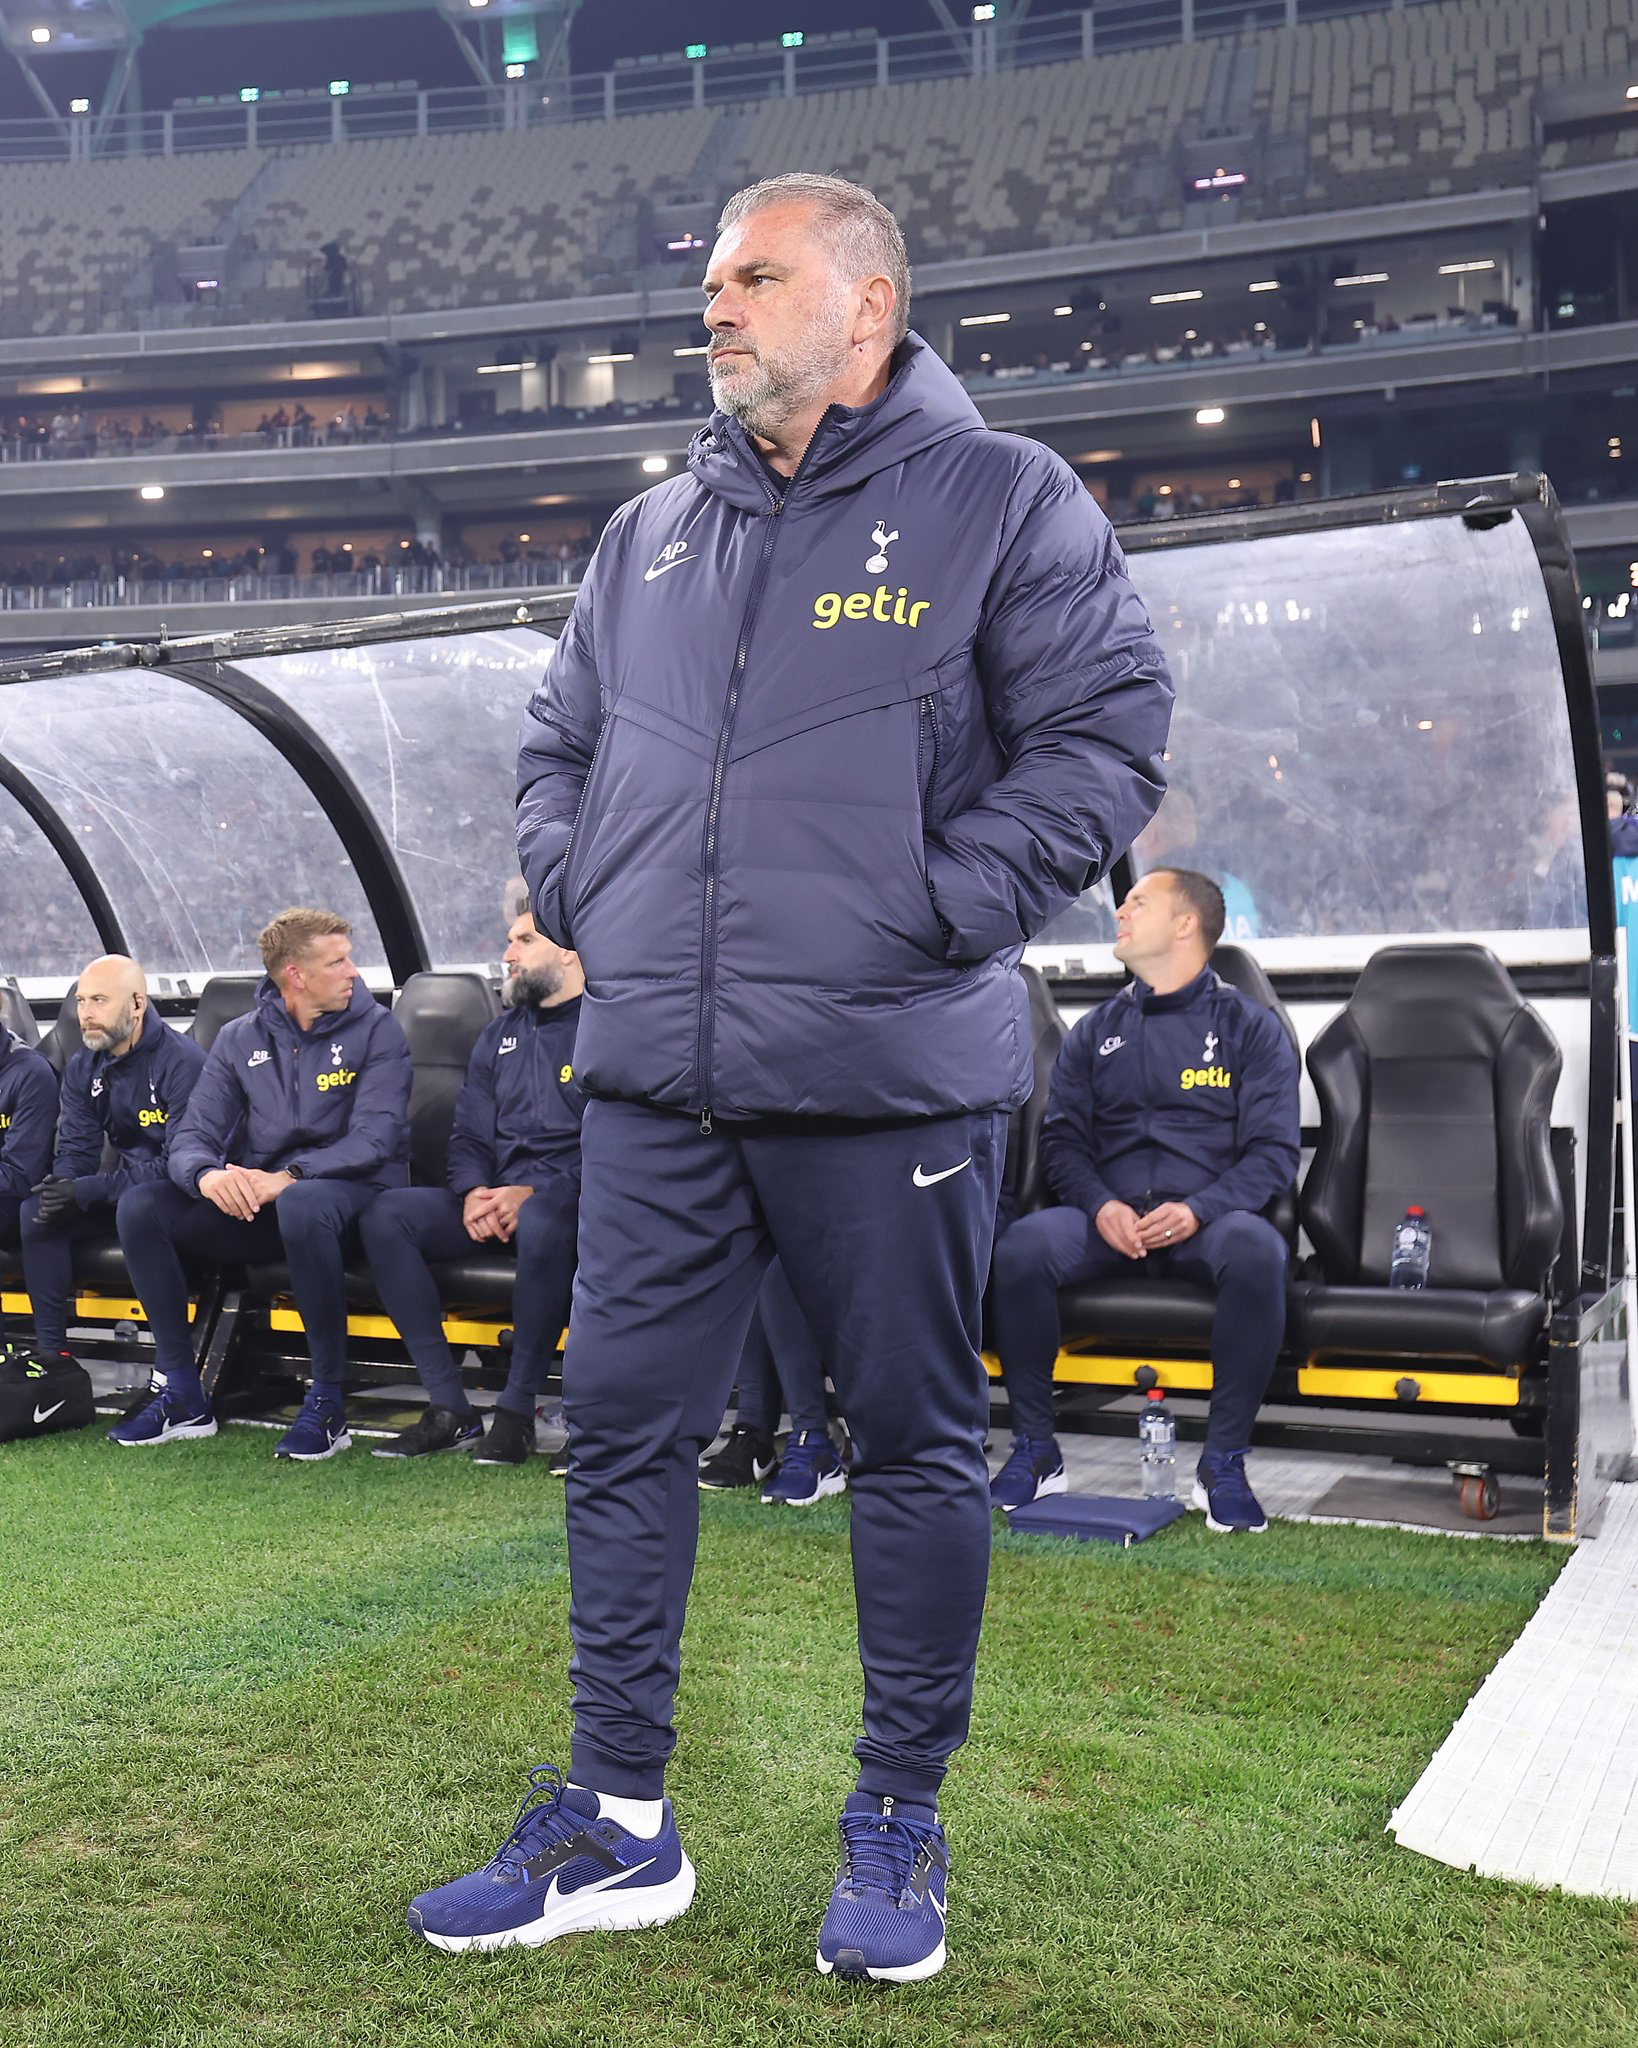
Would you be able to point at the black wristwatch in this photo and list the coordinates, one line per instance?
(294, 1172)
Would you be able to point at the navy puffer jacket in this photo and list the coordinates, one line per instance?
(814, 759)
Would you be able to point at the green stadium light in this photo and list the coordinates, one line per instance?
(250, 94)
(695, 51)
(339, 87)
(793, 41)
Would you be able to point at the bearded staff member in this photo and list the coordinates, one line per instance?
(125, 1090)
(840, 719)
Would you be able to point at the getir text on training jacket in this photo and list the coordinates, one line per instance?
(332, 1100)
(1187, 1097)
(814, 758)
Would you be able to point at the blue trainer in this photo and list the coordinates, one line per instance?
(167, 1419)
(562, 1869)
(1035, 1468)
(886, 1917)
(1221, 1488)
(810, 1470)
(319, 1431)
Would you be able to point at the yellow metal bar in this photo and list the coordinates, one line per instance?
(1356, 1383)
(89, 1308)
(457, 1329)
(1089, 1370)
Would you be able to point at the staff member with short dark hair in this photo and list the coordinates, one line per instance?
(514, 1183)
(300, 1118)
(1173, 1120)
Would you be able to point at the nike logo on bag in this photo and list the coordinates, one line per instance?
(45, 1414)
(924, 1179)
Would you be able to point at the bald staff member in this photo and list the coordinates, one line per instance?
(126, 1089)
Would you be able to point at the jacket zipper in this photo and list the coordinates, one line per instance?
(705, 1046)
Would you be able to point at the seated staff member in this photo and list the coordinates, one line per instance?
(126, 1089)
(514, 1181)
(299, 1120)
(1173, 1119)
(28, 1125)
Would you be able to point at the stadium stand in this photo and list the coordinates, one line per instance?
(77, 241)
(1357, 110)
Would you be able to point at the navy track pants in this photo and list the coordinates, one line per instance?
(48, 1264)
(884, 1235)
(407, 1228)
(1240, 1257)
(307, 1226)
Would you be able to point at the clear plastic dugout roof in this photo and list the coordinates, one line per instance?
(1372, 738)
(1384, 730)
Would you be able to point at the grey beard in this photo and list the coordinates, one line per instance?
(775, 391)
(530, 986)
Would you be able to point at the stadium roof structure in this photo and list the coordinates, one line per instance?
(491, 34)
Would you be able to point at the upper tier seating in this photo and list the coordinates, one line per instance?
(1361, 109)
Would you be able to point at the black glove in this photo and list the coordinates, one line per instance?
(57, 1199)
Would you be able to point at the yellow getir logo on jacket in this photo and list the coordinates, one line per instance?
(5, 1121)
(150, 1116)
(1206, 1077)
(886, 607)
(343, 1077)
(565, 1073)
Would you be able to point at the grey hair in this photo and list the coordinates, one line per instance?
(865, 239)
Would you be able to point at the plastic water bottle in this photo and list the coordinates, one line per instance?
(1412, 1249)
(1157, 1436)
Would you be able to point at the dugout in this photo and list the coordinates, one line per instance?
(1385, 738)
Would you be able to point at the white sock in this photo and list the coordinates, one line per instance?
(637, 1816)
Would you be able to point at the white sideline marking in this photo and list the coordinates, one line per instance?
(1538, 1780)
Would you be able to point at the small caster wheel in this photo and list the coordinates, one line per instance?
(1479, 1494)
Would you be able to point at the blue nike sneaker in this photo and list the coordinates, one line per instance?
(319, 1430)
(1222, 1489)
(886, 1917)
(166, 1419)
(565, 1867)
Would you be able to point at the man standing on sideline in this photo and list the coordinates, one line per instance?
(126, 1089)
(300, 1118)
(1174, 1119)
(514, 1182)
(840, 719)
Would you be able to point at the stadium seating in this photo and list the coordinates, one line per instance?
(1354, 110)
(76, 239)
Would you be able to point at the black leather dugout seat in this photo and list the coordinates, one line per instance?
(1147, 1310)
(223, 997)
(15, 1013)
(1436, 1087)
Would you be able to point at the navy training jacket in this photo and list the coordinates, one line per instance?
(28, 1115)
(132, 1101)
(517, 1118)
(814, 759)
(332, 1100)
(1189, 1097)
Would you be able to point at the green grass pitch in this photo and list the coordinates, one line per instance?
(249, 1709)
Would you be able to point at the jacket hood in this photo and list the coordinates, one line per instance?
(9, 1043)
(276, 1016)
(923, 404)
